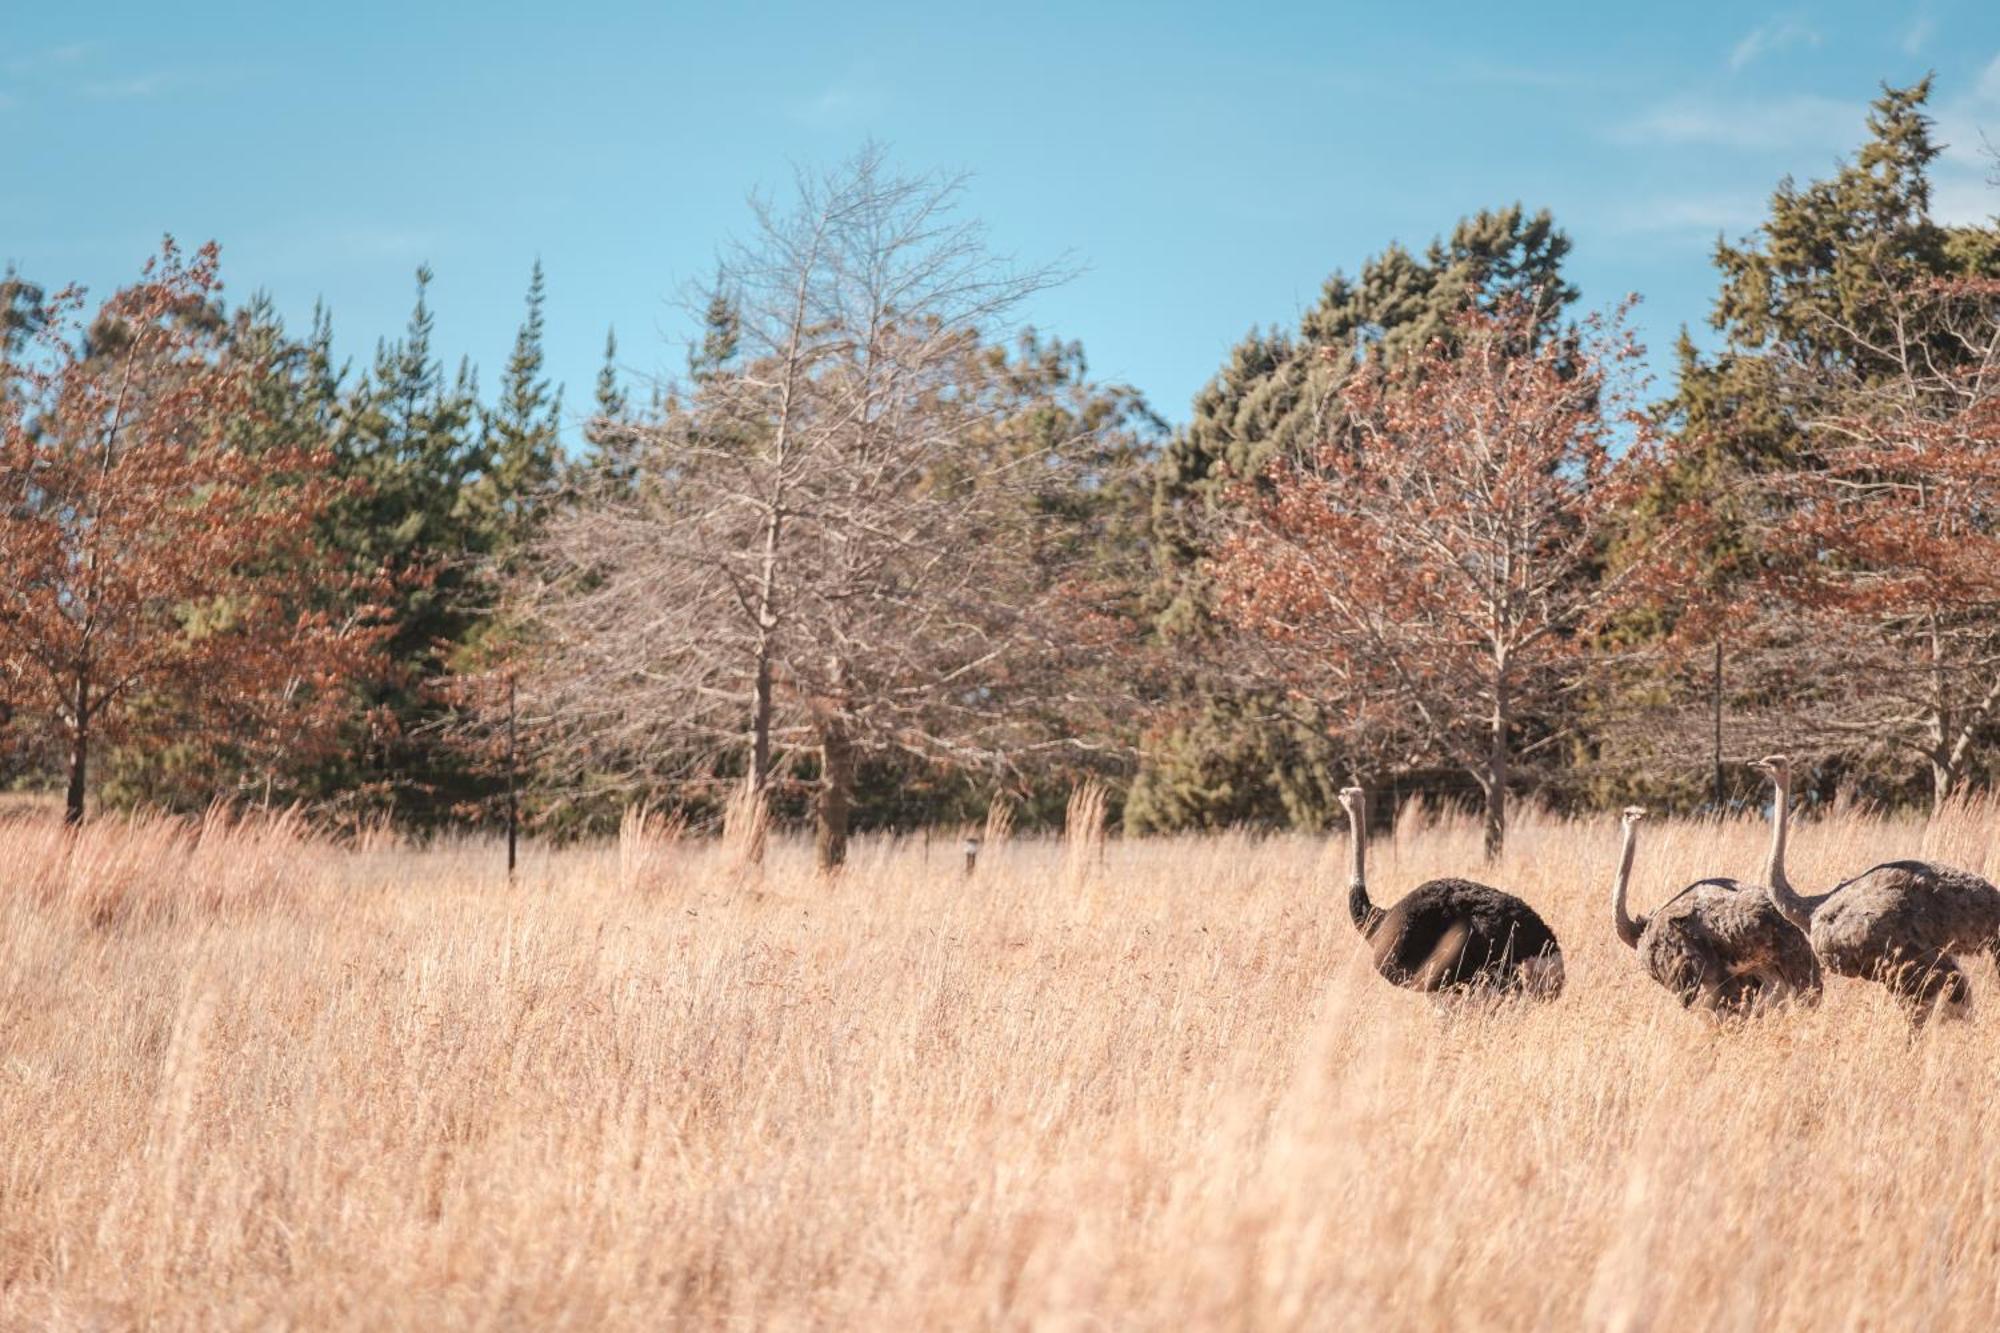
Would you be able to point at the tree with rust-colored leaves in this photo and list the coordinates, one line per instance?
(1430, 574)
(161, 581)
(1815, 296)
(1223, 750)
(1877, 614)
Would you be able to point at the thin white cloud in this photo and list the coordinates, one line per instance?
(129, 89)
(1969, 123)
(1771, 37)
(1693, 212)
(1965, 181)
(1963, 199)
(1918, 34)
(1987, 90)
(53, 57)
(853, 101)
(1498, 74)
(1803, 121)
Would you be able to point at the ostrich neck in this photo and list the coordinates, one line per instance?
(1628, 929)
(1791, 906)
(1358, 906)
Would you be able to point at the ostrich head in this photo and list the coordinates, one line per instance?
(1355, 802)
(1632, 814)
(1783, 896)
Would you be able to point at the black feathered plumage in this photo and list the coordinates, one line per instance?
(1452, 934)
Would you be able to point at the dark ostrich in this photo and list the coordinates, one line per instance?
(1718, 946)
(1901, 923)
(1451, 935)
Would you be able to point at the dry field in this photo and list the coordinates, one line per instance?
(252, 1081)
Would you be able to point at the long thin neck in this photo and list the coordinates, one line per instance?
(1628, 929)
(1358, 906)
(1785, 898)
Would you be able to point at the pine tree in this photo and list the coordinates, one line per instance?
(408, 437)
(1832, 252)
(523, 435)
(611, 434)
(296, 386)
(722, 331)
(163, 569)
(1816, 289)
(611, 400)
(1276, 391)
(1226, 753)
(22, 311)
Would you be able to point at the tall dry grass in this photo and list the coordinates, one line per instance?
(249, 1080)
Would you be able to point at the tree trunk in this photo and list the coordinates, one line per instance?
(1495, 783)
(836, 794)
(1940, 718)
(1958, 751)
(759, 776)
(1716, 756)
(79, 757)
(1496, 808)
(760, 725)
(760, 689)
(1944, 773)
(1943, 781)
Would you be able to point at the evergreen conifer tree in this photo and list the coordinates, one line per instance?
(409, 437)
(612, 431)
(1227, 753)
(722, 331)
(611, 400)
(1812, 290)
(523, 434)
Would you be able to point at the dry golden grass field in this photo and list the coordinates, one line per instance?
(250, 1080)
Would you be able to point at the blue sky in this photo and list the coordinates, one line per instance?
(1207, 165)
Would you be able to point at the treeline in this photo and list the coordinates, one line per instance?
(881, 558)
(239, 568)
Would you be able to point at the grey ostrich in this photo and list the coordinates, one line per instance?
(1901, 923)
(1451, 935)
(1718, 946)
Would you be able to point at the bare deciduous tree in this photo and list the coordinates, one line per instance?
(855, 533)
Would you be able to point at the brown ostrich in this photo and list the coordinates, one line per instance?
(1718, 946)
(1901, 923)
(1451, 935)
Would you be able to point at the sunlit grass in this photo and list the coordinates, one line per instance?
(250, 1079)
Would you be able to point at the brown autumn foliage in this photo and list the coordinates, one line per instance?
(163, 580)
(1882, 555)
(1429, 572)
